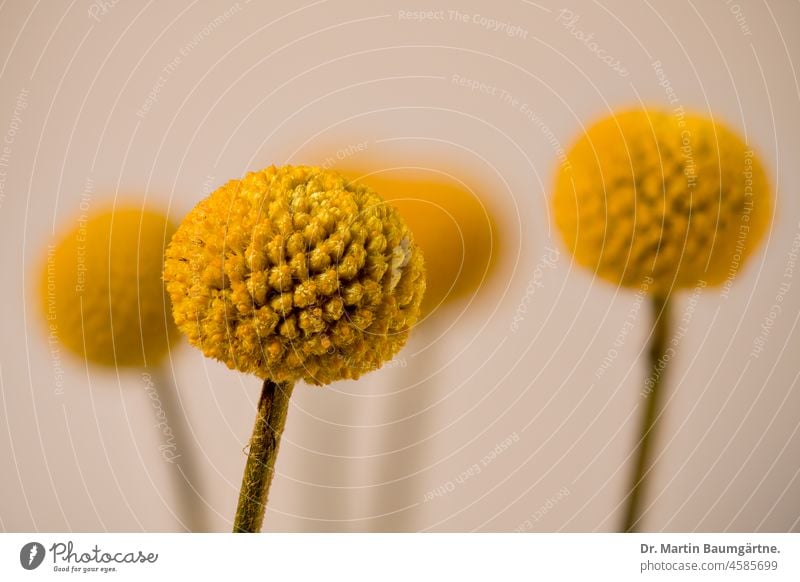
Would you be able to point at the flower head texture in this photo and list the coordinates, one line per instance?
(102, 291)
(670, 200)
(295, 273)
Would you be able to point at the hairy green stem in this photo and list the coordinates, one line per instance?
(653, 393)
(263, 451)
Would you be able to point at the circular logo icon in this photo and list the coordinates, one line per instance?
(31, 555)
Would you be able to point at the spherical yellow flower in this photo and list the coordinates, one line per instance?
(102, 292)
(450, 224)
(667, 199)
(295, 272)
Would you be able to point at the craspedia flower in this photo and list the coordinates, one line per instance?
(292, 273)
(295, 273)
(452, 226)
(648, 194)
(660, 201)
(102, 288)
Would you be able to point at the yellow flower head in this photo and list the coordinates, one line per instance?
(102, 292)
(667, 199)
(295, 272)
(450, 224)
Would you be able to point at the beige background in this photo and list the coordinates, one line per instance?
(276, 83)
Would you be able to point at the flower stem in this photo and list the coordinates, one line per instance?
(270, 420)
(653, 392)
(178, 449)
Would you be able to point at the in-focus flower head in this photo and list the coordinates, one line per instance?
(101, 289)
(649, 194)
(295, 272)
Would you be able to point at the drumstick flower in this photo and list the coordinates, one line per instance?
(292, 273)
(454, 228)
(101, 290)
(102, 286)
(660, 201)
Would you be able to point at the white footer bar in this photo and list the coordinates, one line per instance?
(406, 557)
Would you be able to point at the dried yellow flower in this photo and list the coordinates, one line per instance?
(648, 194)
(101, 289)
(294, 272)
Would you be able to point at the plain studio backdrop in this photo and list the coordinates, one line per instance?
(479, 424)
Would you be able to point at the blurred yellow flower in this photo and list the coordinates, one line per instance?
(649, 194)
(295, 272)
(102, 290)
(454, 229)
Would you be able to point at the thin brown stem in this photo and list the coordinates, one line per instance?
(653, 393)
(270, 420)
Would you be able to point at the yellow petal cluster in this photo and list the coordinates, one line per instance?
(101, 288)
(664, 198)
(295, 272)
